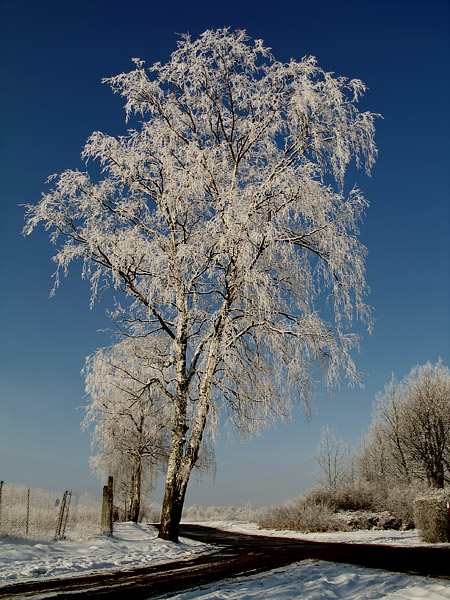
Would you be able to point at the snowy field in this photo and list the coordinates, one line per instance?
(137, 545)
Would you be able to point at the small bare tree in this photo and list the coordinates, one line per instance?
(333, 458)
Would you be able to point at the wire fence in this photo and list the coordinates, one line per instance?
(45, 515)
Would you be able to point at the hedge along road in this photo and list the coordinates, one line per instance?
(237, 555)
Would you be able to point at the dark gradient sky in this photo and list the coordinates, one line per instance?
(53, 57)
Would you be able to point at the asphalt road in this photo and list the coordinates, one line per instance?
(237, 555)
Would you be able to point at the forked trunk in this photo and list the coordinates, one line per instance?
(184, 455)
(181, 463)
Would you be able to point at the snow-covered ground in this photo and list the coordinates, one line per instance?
(134, 545)
(311, 580)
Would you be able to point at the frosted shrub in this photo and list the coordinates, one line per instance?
(432, 516)
(372, 497)
(355, 505)
(219, 513)
(361, 520)
(399, 501)
(300, 515)
(351, 496)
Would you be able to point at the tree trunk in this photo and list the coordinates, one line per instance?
(107, 507)
(435, 473)
(183, 458)
(174, 492)
(135, 504)
(171, 510)
(181, 462)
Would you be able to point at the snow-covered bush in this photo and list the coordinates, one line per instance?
(376, 497)
(356, 495)
(360, 520)
(432, 516)
(300, 515)
(355, 505)
(399, 501)
(219, 513)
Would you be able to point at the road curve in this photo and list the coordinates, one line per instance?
(237, 554)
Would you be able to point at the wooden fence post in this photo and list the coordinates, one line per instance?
(63, 516)
(107, 507)
(28, 511)
(1, 489)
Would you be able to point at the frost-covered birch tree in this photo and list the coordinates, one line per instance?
(223, 218)
(128, 419)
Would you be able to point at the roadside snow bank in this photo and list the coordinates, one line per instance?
(132, 546)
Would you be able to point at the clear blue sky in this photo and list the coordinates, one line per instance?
(53, 56)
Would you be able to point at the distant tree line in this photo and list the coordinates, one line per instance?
(408, 439)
